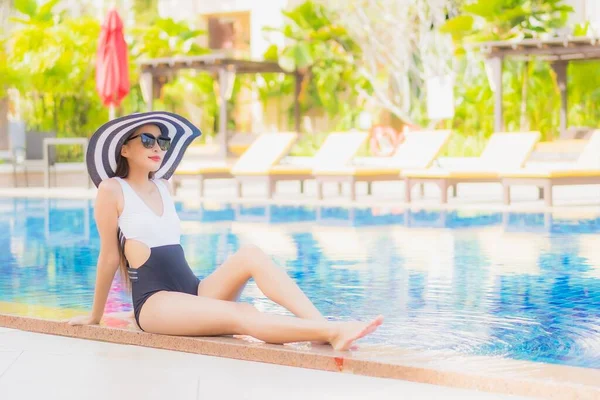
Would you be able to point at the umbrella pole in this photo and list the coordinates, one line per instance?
(111, 112)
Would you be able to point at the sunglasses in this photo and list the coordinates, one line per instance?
(148, 141)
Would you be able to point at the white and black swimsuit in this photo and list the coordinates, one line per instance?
(166, 269)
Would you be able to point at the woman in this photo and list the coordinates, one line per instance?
(130, 160)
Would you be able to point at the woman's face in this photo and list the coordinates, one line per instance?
(138, 155)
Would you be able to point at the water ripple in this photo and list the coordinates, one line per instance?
(515, 286)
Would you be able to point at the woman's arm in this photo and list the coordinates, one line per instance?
(106, 215)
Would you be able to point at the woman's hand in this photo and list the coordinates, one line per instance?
(84, 320)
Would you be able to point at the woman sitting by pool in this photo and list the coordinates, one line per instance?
(130, 159)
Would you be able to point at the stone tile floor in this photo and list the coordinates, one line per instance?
(34, 366)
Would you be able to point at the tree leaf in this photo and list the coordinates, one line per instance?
(484, 8)
(329, 32)
(27, 7)
(272, 53)
(458, 25)
(515, 13)
(192, 34)
(20, 20)
(168, 25)
(581, 29)
(297, 55)
(45, 11)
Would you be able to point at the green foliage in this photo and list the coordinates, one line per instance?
(145, 11)
(36, 14)
(584, 93)
(8, 75)
(27, 7)
(50, 59)
(55, 60)
(486, 20)
(324, 52)
(308, 145)
(55, 57)
(164, 38)
(581, 29)
(188, 92)
(274, 85)
(193, 95)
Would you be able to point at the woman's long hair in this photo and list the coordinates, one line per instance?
(122, 172)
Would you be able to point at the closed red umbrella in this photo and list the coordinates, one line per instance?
(112, 70)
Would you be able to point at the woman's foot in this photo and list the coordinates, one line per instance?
(348, 332)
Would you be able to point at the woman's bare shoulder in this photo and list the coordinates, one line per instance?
(108, 208)
(109, 187)
(109, 193)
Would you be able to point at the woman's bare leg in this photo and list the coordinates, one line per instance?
(173, 313)
(229, 279)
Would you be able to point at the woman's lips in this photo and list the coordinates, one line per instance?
(155, 158)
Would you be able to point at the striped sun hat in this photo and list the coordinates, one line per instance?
(105, 144)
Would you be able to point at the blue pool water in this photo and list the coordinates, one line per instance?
(521, 286)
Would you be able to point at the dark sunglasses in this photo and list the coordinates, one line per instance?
(148, 141)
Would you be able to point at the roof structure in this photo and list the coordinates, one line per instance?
(210, 62)
(154, 72)
(559, 52)
(567, 48)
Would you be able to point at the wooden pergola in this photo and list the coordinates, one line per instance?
(155, 72)
(558, 52)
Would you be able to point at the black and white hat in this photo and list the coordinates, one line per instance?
(105, 144)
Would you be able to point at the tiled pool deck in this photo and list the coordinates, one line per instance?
(63, 368)
(486, 374)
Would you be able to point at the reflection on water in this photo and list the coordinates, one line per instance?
(524, 286)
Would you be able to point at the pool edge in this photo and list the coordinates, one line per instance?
(521, 384)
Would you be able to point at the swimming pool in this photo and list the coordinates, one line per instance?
(521, 286)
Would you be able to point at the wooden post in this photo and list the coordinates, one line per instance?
(223, 82)
(560, 68)
(297, 90)
(495, 64)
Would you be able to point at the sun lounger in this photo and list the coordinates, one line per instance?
(338, 149)
(202, 171)
(584, 171)
(418, 150)
(264, 151)
(503, 151)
